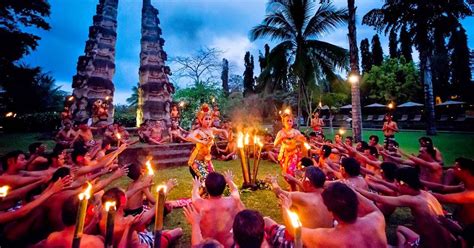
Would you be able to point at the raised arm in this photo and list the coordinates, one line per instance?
(275, 187)
(195, 192)
(194, 218)
(466, 197)
(234, 191)
(396, 201)
(27, 208)
(441, 188)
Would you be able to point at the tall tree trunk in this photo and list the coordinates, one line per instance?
(354, 62)
(425, 68)
(299, 101)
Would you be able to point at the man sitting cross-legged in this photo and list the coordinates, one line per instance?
(424, 208)
(217, 212)
(308, 204)
(359, 222)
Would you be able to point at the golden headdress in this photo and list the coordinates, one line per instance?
(286, 112)
(203, 111)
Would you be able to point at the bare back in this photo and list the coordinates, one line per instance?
(311, 209)
(367, 231)
(217, 217)
(64, 239)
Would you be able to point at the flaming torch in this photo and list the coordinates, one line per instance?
(295, 222)
(81, 215)
(308, 149)
(256, 163)
(4, 191)
(243, 157)
(109, 228)
(247, 153)
(119, 137)
(159, 211)
(149, 169)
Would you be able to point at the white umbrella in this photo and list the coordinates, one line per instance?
(410, 104)
(375, 105)
(347, 107)
(450, 103)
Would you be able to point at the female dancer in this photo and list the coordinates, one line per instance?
(291, 142)
(200, 164)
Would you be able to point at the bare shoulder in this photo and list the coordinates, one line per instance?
(92, 241)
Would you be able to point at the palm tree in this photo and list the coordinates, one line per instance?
(421, 26)
(133, 99)
(298, 27)
(355, 84)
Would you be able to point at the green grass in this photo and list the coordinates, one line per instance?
(452, 145)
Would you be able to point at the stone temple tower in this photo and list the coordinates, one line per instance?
(155, 89)
(93, 86)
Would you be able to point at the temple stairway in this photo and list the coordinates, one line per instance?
(162, 156)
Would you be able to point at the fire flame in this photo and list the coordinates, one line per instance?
(161, 187)
(240, 140)
(181, 104)
(307, 146)
(287, 111)
(342, 131)
(295, 220)
(4, 190)
(246, 139)
(149, 168)
(118, 136)
(110, 204)
(87, 193)
(9, 114)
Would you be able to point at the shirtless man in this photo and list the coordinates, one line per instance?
(37, 159)
(350, 173)
(217, 212)
(430, 170)
(317, 123)
(13, 163)
(178, 134)
(66, 135)
(63, 238)
(424, 208)
(308, 204)
(374, 141)
(359, 222)
(389, 128)
(84, 133)
(464, 171)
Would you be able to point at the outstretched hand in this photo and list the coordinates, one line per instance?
(285, 201)
(271, 179)
(192, 215)
(171, 183)
(229, 176)
(196, 183)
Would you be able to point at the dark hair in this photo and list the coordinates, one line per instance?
(389, 170)
(306, 162)
(375, 137)
(350, 138)
(312, 134)
(410, 176)
(114, 194)
(351, 166)
(105, 143)
(320, 134)
(215, 184)
(134, 171)
(373, 150)
(33, 146)
(69, 210)
(466, 164)
(12, 154)
(326, 150)
(364, 144)
(60, 173)
(341, 201)
(248, 229)
(78, 151)
(316, 176)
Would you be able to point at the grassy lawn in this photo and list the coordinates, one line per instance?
(452, 145)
